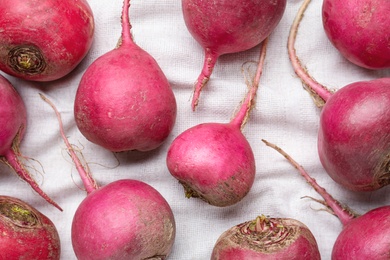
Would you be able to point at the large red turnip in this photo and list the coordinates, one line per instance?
(214, 161)
(354, 130)
(13, 121)
(360, 30)
(363, 237)
(26, 233)
(222, 27)
(44, 40)
(126, 219)
(124, 101)
(267, 238)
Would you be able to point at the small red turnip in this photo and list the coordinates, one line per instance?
(223, 27)
(26, 233)
(363, 237)
(267, 238)
(124, 101)
(126, 219)
(359, 30)
(214, 161)
(13, 120)
(44, 40)
(353, 137)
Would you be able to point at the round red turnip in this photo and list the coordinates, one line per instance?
(214, 161)
(363, 237)
(267, 238)
(360, 30)
(222, 27)
(353, 137)
(13, 120)
(124, 101)
(44, 40)
(26, 233)
(126, 219)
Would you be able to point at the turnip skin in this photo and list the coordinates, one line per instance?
(359, 29)
(373, 231)
(278, 238)
(354, 135)
(26, 233)
(124, 101)
(350, 136)
(44, 40)
(218, 168)
(141, 223)
(13, 120)
(223, 27)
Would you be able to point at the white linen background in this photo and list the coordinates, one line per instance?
(284, 114)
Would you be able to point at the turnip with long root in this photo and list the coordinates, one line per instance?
(359, 30)
(124, 101)
(13, 121)
(223, 27)
(214, 161)
(44, 40)
(26, 233)
(364, 236)
(267, 238)
(125, 219)
(354, 131)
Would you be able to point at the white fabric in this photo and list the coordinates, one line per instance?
(284, 114)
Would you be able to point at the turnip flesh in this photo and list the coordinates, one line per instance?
(214, 161)
(222, 27)
(267, 238)
(44, 40)
(359, 30)
(362, 237)
(124, 101)
(26, 233)
(13, 119)
(353, 138)
(126, 219)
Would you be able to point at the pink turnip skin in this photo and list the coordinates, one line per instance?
(267, 238)
(354, 131)
(44, 40)
(359, 29)
(126, 219)
(363, 237)
(222, 27)
(26, 233)
(214, 161)
(13, 120)
(124, 101)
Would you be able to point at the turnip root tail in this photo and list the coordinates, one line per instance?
(126, 37)
(89, 183)
(241, 117)
(208, 66)
(11, 158)
(319, 93)
(343, 213)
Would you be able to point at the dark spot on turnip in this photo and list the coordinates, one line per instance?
(26, 59)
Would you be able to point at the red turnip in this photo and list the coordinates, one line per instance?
(267, 238)
(363, 237)
(354, 131)
(222, 27)
(126, 219)
(214, 161)
(124, 101)
(26, 233)
(13, 120)
(44, 40)
(359, 30)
